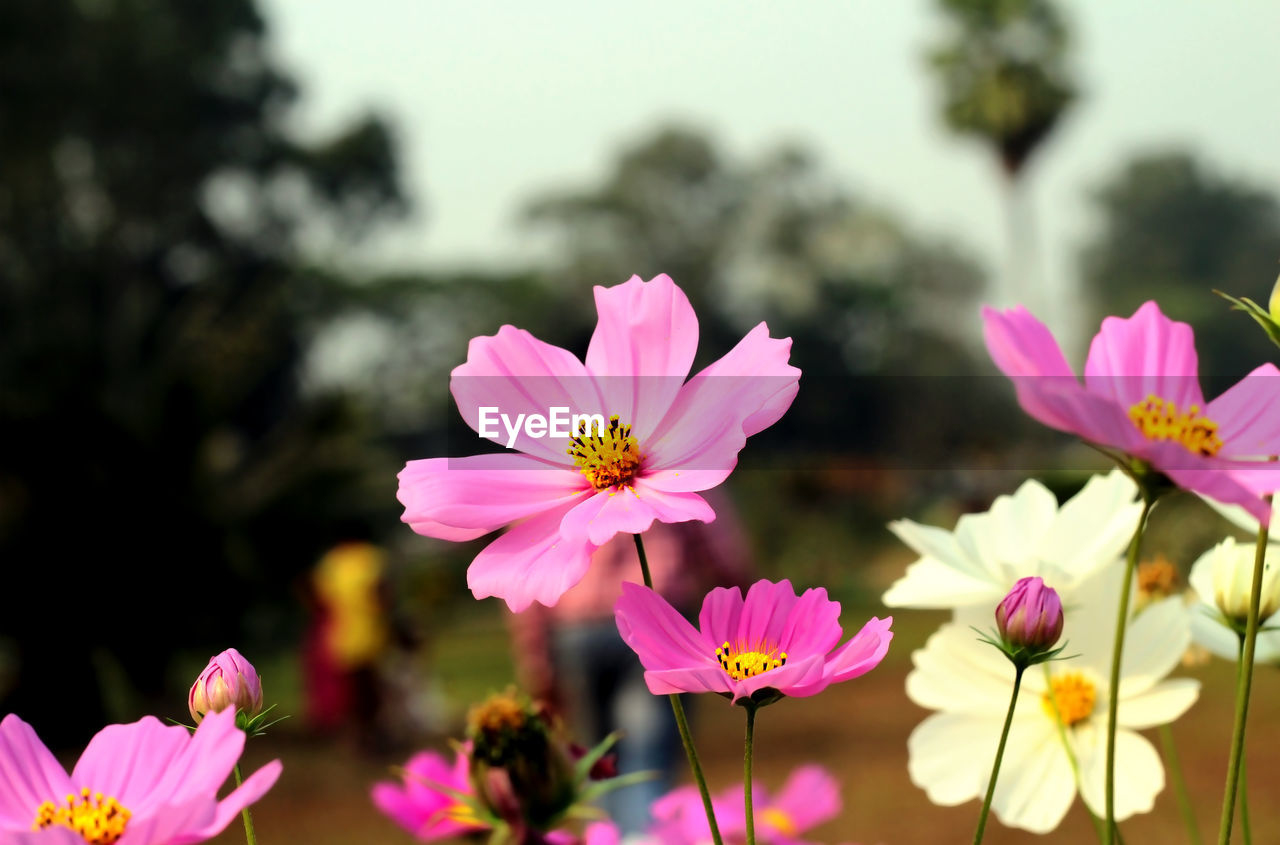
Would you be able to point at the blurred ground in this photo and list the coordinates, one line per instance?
(858, 729)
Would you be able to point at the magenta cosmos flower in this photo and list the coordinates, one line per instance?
(772, 642)
(810, 797)
(1141, 395)
(419, 805)
(143, 783)
(646, 440)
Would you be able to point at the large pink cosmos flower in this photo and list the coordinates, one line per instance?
(665, 439)
(809, 797)
(773, 642)
(143, 783)
(1141, 395)
(420, 807)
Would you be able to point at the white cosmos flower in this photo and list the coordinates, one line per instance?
(1222, 578)
(969, 683)
(1021, 535)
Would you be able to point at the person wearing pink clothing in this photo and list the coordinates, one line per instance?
(572, 656)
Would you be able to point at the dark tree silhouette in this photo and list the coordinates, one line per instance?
(160, 469)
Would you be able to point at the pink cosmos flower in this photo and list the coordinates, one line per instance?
(810, 797)
(773, 642)
(1141, 395)
(658, 441)
(420, 807)
(143, 783)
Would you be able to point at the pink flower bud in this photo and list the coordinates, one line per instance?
(228, 681)
(1030, 617)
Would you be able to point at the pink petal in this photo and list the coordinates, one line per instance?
(483, 492)
(129, 762)
(812, 626)
(645, 329)
(253, 788)
(1145, 355)
(718, 620)
(1248, 415)
(862, 653)
(45, 836)
(171, 824)
(516, 373)
(631, 510)
(743, 393)
(764, 614)
(660, 636)
(810, 797)
(1020, 345)
(199, 769)
(1244, 487)
(531, 562)
(690, 679)
(797, 678)
(29, 774)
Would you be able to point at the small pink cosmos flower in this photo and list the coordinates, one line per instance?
(418, 806)
(1141, 395)
(810, 797)
(659, 440)
(143, 783)
(772, 642)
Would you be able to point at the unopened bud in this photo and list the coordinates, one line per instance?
(229, 681)
(1273, 305)
(1030, 617)
(1232, 567)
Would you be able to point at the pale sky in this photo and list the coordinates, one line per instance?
(494, 103)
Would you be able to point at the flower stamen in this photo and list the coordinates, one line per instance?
(1072, 699)
(608, 459)
(1159, 419)
(741, 664)
(98, 820)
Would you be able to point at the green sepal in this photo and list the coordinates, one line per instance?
(1022, 657)
(582, 769)
(1260, 315)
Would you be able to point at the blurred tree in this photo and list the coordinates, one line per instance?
(1173, 230)
(160, 468)
(1005, 81)
(778, 238)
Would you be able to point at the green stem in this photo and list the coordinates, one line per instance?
(1117, 653)
(1243, 685)
(244, 814)
(746, 774)
(1245, 827)
(1185, 807)
(995, 767)
(682, 722)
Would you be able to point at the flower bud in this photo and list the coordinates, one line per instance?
(1273, 306)
(1030, 617)
(228, 681)
(1232, 567)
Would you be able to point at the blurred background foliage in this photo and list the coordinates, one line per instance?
(193, 407)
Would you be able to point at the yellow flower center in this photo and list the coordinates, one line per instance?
(1072, 698)
(100, 821)
(741, 663)
(779, 821)
(610, 459)
(1159, 419)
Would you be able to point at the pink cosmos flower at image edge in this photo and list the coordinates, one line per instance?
(1141, 395)
(672, 439)
(772, 639)
(160, 782)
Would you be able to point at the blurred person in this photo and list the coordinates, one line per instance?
(348, 638)
(572, 656)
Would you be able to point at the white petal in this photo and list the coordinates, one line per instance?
(957, 672)
(1207, 630)
(1016, 524)
(1159, 705)
(1093, 527)
(950, 755)
(1036, 785)
(1154, 645)
(1241, 518)
(930, 583)
(1139, 773)
(938, 544)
